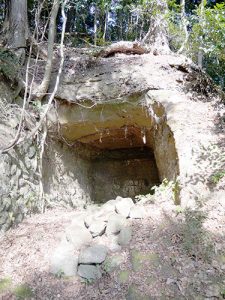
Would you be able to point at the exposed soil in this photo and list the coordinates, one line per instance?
(173, 254)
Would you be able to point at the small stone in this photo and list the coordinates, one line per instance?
(89, 272)
(115, 224)
(93, 255)
(13, 169)
(123, 206)
(63, 260)
(137, 212)
(78, 235)
(125, 236)
(31, 152)
(97, 228)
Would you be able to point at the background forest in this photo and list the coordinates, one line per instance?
(194, 28)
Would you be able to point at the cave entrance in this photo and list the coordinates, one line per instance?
(123, 172)
(122, 162)
(110, 150)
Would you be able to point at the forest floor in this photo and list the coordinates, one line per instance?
(174, 254)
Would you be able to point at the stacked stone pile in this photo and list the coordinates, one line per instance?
(93, 236)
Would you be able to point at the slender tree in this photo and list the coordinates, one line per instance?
(18, 27)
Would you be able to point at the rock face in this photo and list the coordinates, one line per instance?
(145, 102)
(125, 123)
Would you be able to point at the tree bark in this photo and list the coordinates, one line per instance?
(156, 37)
(184, 25)
(18, 27)
(43, 87)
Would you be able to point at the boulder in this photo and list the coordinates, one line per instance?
(137, 212)
(63, 260)
(89, 272)
(123, 206)
(93, 255)
(125, 236)
(115, 224)
(97, 228)
(78, 235)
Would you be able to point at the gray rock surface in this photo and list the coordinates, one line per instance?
(78, 235)
(93, 255)
(115, 224)
(137, 212)
(125, 236)
(97, 228)
(63, 260)
(89, 272)
(123, 206)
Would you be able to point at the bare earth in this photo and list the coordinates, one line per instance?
(173, 254)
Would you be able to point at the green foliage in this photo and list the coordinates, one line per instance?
(5, 284)
(23, 292)
(216, 177)
(167, 190)
(208, 35)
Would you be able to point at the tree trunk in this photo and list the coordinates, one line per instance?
(184, 25)
(156, 37)
(202, 22)
(95, 26)
(105, 24)
(18, 27)
(43, 87)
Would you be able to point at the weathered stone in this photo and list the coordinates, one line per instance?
(123, 206)
(3, 217)
(78, 235)
(137, 212)
(97, 228)
(63, 260)
(115, 224)
(88, 220)
(89, 272)
(109, 206)
(13, 169)
(125, 236)
(31, 152)
(93, 255)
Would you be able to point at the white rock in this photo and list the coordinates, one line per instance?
(78, 235)
(97, 228)
(125, 236)
(63, 260)
(115, 224)
(137, 212)
(123, 206)
(93, 255)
